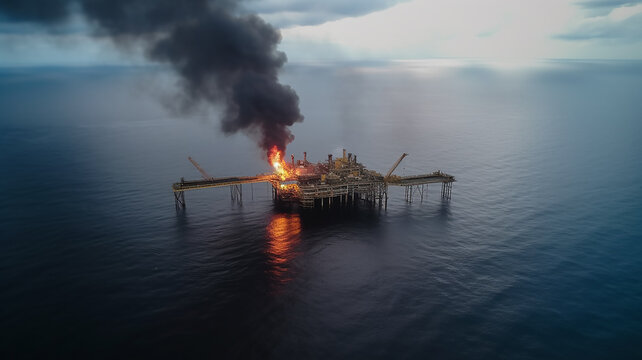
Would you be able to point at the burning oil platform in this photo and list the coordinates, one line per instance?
(335, 183)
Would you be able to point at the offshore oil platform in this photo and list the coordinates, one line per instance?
(337, 182)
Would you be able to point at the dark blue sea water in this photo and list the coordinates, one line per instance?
(538, 255)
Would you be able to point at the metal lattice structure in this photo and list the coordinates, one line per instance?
(338, 182)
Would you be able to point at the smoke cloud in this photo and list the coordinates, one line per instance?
(222, 56)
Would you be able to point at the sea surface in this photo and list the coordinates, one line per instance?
(537, 255)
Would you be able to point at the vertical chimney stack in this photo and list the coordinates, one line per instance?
(344, 154)
(355, 158)
(349, 158)
(305, 157)
(329, 161)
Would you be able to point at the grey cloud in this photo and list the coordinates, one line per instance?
(608, 3)
(627, 30)
(285, 13)
(47, 12)
(594, 8)
(19, 16)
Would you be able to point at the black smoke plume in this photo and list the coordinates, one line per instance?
(221, 55)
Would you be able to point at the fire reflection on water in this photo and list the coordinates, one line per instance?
(283, 234)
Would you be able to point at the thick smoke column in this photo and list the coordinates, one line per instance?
(221, 56)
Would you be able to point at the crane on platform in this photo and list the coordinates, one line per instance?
(204, 173)
(395, 165)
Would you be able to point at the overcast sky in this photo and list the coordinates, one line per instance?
(385, 29)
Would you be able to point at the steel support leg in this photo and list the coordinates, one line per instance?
(179, 200)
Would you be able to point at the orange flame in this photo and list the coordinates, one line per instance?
(275, 157)
(281, 168)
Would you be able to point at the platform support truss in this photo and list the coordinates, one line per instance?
(328, 196)
(236, 193)
(446, 190)
(410, 191)
(179, 200)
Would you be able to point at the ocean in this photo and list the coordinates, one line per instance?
(537, 255)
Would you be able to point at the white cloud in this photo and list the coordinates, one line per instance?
(417, 29)
(507, 29)
(625, 12)
(286, 13)
(617, 31)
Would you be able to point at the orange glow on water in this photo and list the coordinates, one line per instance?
(283, 232)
